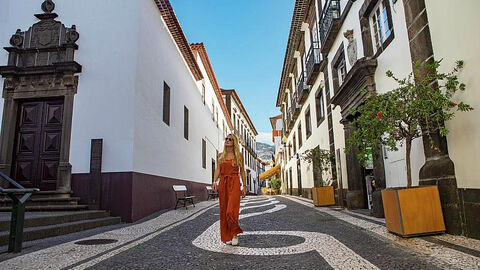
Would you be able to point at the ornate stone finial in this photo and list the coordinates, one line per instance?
(351, 47)
(48, 6)
(72, 34)
(348, 35)
(17, 39)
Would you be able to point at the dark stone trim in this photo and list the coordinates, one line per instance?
(470, 202)
(132, 195)
(319, 122)
(306, 193)
(385, 44)
(339, 56)
(367, 7)
(340, 51)
(438, 168)
(360, 76)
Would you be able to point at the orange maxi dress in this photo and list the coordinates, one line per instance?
(229, 196)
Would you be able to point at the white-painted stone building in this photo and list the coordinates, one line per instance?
(247, 133)
(115, 106)
(338, 47)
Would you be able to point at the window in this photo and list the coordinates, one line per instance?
(213, 110)
(216, 116)
(203, 93)
(204, 154)
(339, 70)
(381, 25)
(224, 129)
(294, 144)
(299, 136)
(213, 169)
(185, 122)
(308, 126)
(234, 122)
(319, 106)
(166, 103)
(290, 151)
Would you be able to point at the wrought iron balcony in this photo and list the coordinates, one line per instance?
(329, 24)
(291, 121)
(295, 108)
(302, 89)
(314, 61)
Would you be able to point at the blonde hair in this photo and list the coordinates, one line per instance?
(238, 160)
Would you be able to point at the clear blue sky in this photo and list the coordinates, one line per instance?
(246, 41)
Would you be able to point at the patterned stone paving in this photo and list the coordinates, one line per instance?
(279, 233)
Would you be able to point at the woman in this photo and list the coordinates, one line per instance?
(230, 188)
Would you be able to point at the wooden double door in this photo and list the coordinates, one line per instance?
(38, 143)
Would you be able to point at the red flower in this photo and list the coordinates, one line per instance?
(437, 149)
(379, 114)
(453, 104)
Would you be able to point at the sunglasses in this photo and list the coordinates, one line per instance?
(229, 139)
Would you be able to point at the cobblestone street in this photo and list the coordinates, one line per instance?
(279, 232)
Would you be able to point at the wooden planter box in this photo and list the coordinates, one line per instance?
(413, 211)
(323, 196)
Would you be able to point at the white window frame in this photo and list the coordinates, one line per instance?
(342, 71)
(378, 21)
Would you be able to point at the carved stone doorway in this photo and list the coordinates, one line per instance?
(40, 83)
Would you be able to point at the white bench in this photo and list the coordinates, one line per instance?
(179, 189)
(211, 194)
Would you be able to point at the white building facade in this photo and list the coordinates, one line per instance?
(121, 91)
(339, 47)
(247, 133)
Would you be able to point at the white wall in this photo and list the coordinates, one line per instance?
(458, 38)
(4, 39)
(396, 58)
(103, 106)
(160, 149)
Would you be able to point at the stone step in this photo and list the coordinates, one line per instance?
(48, 208)
(34, 219)
(34, 233)
(46, 194)
(34, 201)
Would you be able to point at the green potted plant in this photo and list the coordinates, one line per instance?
(420, 106)
(275, 185)
(323, 193)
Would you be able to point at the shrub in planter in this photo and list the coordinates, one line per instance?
(320, 159)
(275, 185)
(418, 107)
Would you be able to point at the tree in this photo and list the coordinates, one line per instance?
(321, 161)
(420, 106)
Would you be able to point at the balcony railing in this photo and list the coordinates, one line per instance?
(295, 108)
(302, 89)
(329, 24)
(314, 59)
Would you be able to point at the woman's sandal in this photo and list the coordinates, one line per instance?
(235, 241)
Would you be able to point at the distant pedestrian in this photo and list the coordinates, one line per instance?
(230, 189)
(373, 184)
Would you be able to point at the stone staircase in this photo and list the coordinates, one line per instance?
(39, 225)
(46, 201)
(53, 213)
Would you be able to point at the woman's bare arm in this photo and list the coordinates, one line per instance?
(244, 181)
(216, 175)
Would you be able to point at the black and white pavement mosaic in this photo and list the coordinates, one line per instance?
(279, 233)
